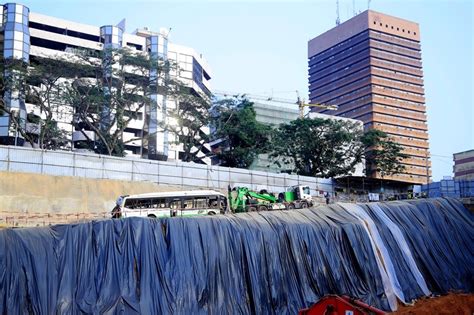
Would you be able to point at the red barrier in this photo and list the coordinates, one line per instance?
(336, 305)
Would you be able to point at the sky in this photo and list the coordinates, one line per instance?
(260, 47)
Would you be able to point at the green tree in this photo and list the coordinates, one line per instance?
(383, 155)
(42, 82)
(12, 76)
(103, 92)
(45, 84)
(242, 136)
(318, 147)
(116, 88)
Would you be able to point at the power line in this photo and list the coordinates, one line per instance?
(443, 161)
(442, 156)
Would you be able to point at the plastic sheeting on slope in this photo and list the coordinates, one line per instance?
(265, 263)
(384, 261)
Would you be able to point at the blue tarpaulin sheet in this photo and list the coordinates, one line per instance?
(274, 262)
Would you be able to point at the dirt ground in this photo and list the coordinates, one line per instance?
(451, 304)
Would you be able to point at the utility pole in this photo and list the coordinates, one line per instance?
(338, 21)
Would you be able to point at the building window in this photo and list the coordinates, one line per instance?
(63, 31)
(135, 46)
(198, 74)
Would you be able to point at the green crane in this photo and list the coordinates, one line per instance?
(242, 199)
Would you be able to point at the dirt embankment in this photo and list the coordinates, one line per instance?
(451, 304)
(37, 193)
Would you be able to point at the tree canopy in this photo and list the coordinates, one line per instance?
(41, 83)
(241, 136)
(382, 154)
(116, 88)
(103, 93)
(318, 147)
(331, 148)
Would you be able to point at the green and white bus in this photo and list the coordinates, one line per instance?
(171, 204)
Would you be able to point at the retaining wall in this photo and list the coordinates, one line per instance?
(37, 193)
(37, 181)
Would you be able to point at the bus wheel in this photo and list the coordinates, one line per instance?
(262, 208)
(152, 216)
(291, 206)
(251, 209)
(304, 205)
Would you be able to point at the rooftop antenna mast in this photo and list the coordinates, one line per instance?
(338, 21)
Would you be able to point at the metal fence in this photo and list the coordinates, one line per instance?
(454, 188)
(29, 219)
(186, 175)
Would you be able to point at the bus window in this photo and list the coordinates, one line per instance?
(188, 203)
(200, 202)
(144, 203)
(213, 202)
(129, 203)
(158, 203)
(175, 203)
(137, 203)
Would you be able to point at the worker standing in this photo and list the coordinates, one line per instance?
(326, 195)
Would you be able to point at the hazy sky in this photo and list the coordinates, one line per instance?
(261, 46)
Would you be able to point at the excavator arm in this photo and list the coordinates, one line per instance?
(239, 197)
(264, 197)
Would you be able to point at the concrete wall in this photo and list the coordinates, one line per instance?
(36, 184)
(37, 193)
(184, 175)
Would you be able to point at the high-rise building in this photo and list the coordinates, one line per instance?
(26, 35)
(370, 67)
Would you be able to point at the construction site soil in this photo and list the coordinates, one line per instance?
(453, 303)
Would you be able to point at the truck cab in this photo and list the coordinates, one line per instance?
(299, 193)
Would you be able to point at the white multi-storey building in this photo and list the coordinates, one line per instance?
(26, 35)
